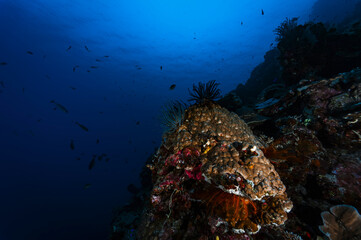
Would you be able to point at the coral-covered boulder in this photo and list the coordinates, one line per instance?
(212, 169)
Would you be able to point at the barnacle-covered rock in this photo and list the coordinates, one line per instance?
(212, 166)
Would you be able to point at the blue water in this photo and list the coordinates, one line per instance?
(41, 180)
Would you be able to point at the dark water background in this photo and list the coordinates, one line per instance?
(41, 180)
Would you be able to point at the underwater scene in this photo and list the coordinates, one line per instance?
(180, 119)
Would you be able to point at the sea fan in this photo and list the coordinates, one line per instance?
(203, 92)
(172, 114)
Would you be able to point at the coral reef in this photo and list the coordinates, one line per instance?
(212, 169)
(285, 29)
(216, 176)
(341, 222)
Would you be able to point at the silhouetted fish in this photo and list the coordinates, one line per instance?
(61, 107)
(161, 68)
(262, 12)
(98, 60)
(3, 63)
(106, 56)
(30, 52)
(138, 123)
(86, 48)
(91, 164)
(73, 88)
(71, 144)
(82, 126)
(107, 159)
(172, 87)
(97, 141)
(68, 48)
(241, 23)
(93, 67)
(2, 84)
(75, 67)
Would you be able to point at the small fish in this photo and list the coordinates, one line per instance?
(78, 158)
(3, 63)
(100, 157)
(262, 12)
(98, 60)
(241, 23)
(86, 186)
(68, 48)
(101, 112)
(2, 84)
(82, 126)
(138, 123)
(172, 87)
(139, 68)
(271, 45)
(161, 67)
(107, 159)
(75, 67)
(23, 90)
(72, 144)
(86, 48)
(194, 38)
(73, 88)
(97, 141)
(88, 70)
(91, 164)
(106, 56)
(30, 52)
(61, 107)
(94, 67)
(39, 120)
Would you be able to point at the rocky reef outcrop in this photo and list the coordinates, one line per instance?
(267, 167)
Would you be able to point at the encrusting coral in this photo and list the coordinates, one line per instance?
(210, 174)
